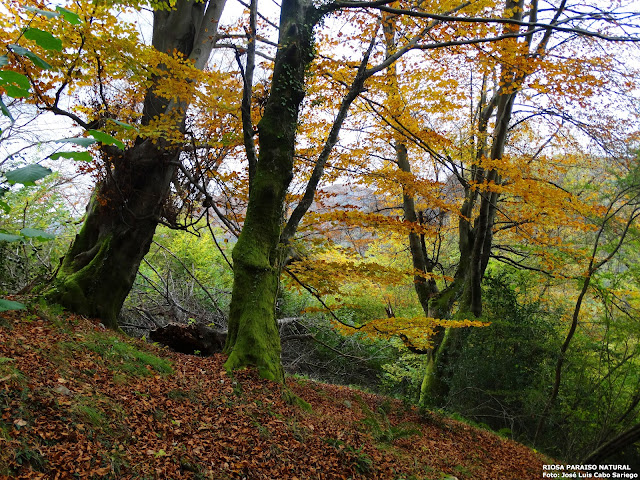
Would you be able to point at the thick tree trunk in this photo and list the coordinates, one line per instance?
(253, 337)
(99, 269)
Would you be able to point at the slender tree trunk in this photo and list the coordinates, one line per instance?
(258, 255)
(100, 267)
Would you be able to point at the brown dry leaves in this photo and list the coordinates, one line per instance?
(71, 416)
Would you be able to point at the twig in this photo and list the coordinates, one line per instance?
(204, 289)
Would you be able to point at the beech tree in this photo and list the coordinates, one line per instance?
(485, 177)
(258, 256)
(264, 245)
(98, 271)
(477, 216)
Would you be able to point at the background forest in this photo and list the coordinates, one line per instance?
(433, 200)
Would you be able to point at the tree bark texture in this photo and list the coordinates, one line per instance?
(258, 256)
(100, 267)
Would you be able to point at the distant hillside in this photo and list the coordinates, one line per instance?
(77, 401)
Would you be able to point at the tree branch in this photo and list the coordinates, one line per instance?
(204, 289)
(607, 17)
(356, 87)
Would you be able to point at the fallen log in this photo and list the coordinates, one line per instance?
(192, 339)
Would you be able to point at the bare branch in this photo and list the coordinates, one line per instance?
(211, 202)
(319, 298)
(195, 279)
(538, 26)
(356, 87)
(247, 92)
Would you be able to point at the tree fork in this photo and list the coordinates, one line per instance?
(258, 257)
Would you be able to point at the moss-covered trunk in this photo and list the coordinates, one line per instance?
(253, 337)
(98, 271)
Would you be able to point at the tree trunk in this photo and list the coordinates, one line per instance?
(100, 267)
(434, 303)
(615, 445)
(253, 337)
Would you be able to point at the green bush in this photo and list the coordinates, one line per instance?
(34, 257)
(498, 375)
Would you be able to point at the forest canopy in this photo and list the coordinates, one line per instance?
(437, 199)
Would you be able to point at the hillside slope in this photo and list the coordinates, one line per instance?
(77, 401)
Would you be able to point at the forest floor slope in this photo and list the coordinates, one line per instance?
(77, 401)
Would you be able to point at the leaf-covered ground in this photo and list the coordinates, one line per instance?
(77, 401)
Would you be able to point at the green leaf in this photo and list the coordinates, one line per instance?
(46, 13)
(82, 141)
(17, 49)
(10, 305)
(4, 60)
(16, 92)
(69, 16)
(27, 175)
(37, 61)
(5, 111)
(36, 233)
(4, 206)
(79, 156)
(126, 126)
(106, 138)
(44, 39)
(11, 77)
(8, 237)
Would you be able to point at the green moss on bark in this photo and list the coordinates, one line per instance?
(432, 388)
(253, 337)
(82, 291)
